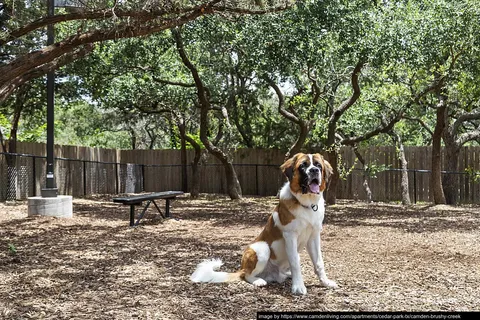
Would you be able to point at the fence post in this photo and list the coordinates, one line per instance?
(143, 177)
(116, 179)
(256, 179)
(415, 186)
(84, 178)
(34, 177)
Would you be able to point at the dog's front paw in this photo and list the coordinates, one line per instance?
(299, 289)
(259, 282)
(330, 283)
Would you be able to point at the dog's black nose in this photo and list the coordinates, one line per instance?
(314, 170)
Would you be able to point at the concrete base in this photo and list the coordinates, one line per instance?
(60, 206)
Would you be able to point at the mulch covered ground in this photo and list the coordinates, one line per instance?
(93, 266)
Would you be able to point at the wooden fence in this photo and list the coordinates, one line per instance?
(116, 171)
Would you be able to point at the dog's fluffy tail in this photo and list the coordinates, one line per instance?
(205, 272)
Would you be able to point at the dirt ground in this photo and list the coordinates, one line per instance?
(384, 257)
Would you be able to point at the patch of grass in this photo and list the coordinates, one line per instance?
(12, 250)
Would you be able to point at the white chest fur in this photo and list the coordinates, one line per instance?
(309, 214)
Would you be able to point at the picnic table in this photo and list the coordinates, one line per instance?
(137, 200)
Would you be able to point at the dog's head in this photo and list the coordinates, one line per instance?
(307, 173)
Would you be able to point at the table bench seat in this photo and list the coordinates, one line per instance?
(137, 200)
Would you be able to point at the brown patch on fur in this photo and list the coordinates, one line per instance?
(272, 255)
(284, 209)
(327, 170)
(249, 262)
(290, 169)
(317, 157)
(270, 233)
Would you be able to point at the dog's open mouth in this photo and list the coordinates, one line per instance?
(314, 186)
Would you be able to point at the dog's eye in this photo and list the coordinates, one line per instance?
(304, 164)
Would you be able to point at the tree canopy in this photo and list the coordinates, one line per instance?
(266, 74)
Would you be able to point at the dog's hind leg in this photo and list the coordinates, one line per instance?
(254, 261)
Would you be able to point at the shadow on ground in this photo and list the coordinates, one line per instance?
(415, 219)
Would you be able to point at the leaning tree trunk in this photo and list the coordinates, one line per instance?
(365, 176)
(436, 177)
(404, 167)
(234, 189)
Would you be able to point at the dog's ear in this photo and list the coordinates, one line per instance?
(327, 172)
(288, 167)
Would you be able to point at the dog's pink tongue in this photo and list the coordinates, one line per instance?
(314, 187)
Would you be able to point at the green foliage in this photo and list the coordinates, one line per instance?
(343, 170)
(33, 134)
(472, 174)
(12, 250)
(372, 169)
(124, 90)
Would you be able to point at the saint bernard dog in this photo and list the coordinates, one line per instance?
(295, 224)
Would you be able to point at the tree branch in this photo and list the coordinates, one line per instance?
(151, 111)
(40, 71)
(336, 114)
(421, 122)
(468, 136)
(202, 91)
(99, 14)
(385, 127)
(281, 102)
(173, 83)
(253, 12)
(356, 91)
(474, 115)
(31, 60)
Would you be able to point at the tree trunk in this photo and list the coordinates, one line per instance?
(302, 136)
(303, 125)
(331, 197)
(133, 139)
(332, 129)
(12, 175)
(234, 189)
(436, 177)
(183, 155)
(365, 176)
(450, 180)
(195, 187)
(404, 167)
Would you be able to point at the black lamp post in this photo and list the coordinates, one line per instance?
(50, 190)
(50, 203)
